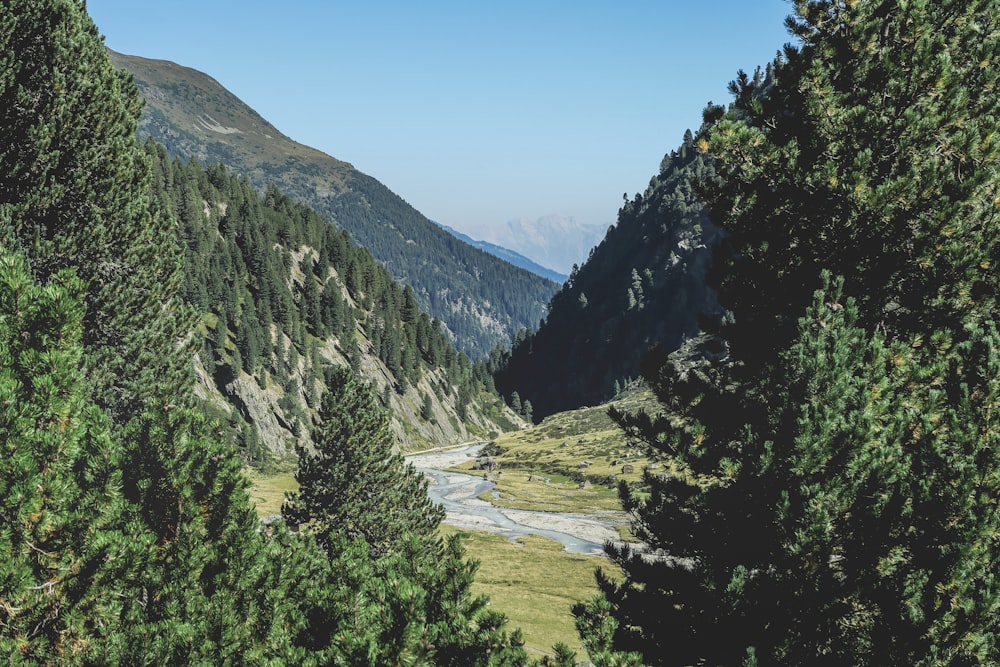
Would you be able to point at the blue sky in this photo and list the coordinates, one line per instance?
(475, 112)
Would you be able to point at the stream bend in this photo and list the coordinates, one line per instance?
(460, 495)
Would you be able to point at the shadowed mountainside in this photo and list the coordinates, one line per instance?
(643, 286)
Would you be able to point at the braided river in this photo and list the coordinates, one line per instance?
(462, 497)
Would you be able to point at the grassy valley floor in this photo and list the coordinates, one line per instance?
(535, 583)
(532, 580)
(571, 462)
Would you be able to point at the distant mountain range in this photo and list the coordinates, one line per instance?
(506, 254)
(480, 299)
(553, 241)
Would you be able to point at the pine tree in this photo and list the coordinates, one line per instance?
(868, 154)
(355, 484)
(75, 187)
(60, 495)
(831, 489)
(139, 528)
(427, 409)
(515, 402)
(403, 594)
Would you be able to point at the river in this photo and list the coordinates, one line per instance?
(459, 494)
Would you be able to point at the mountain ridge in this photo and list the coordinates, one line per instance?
(644, 285)
(481, 300)
(558, 242)
(282, 297)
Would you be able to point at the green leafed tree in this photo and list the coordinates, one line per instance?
(869, 152)
(831, 485)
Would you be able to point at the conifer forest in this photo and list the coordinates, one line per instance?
(804, 288)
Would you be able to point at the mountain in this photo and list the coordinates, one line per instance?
(480, 299)
(554, 241)
(283, 297)
(508, 255)
(643, 285)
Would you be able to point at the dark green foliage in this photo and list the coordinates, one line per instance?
(598, 625)
(354, 484)
(194, 584)
(74, 193)
(58, 477)
(404, 596)
(564, 657)
(77, 194)
(415, 607)
(872, 158)
(852, 524)
(832, 496)
(643, 285)
(427, 409)
(138, 525)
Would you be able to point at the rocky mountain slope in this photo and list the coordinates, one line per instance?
(283, 296)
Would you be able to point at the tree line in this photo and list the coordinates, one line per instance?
(127, 534)
(275, 282)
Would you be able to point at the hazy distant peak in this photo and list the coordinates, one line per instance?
(554, 241)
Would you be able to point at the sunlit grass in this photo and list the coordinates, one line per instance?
(267, 491)
(533, 580)
(521, 489)
(568, 449)
(535, 583)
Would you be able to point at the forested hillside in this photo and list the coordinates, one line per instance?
(481, 300)
(824, 479)
(832, 485)
(644, 285)
(126, 532)
(282, 294)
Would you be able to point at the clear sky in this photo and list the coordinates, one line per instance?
(476, 112)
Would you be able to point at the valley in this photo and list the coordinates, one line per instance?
(256, 409)
(537, 529)
(480, 300)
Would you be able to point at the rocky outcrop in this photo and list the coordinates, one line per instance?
(259, 407)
